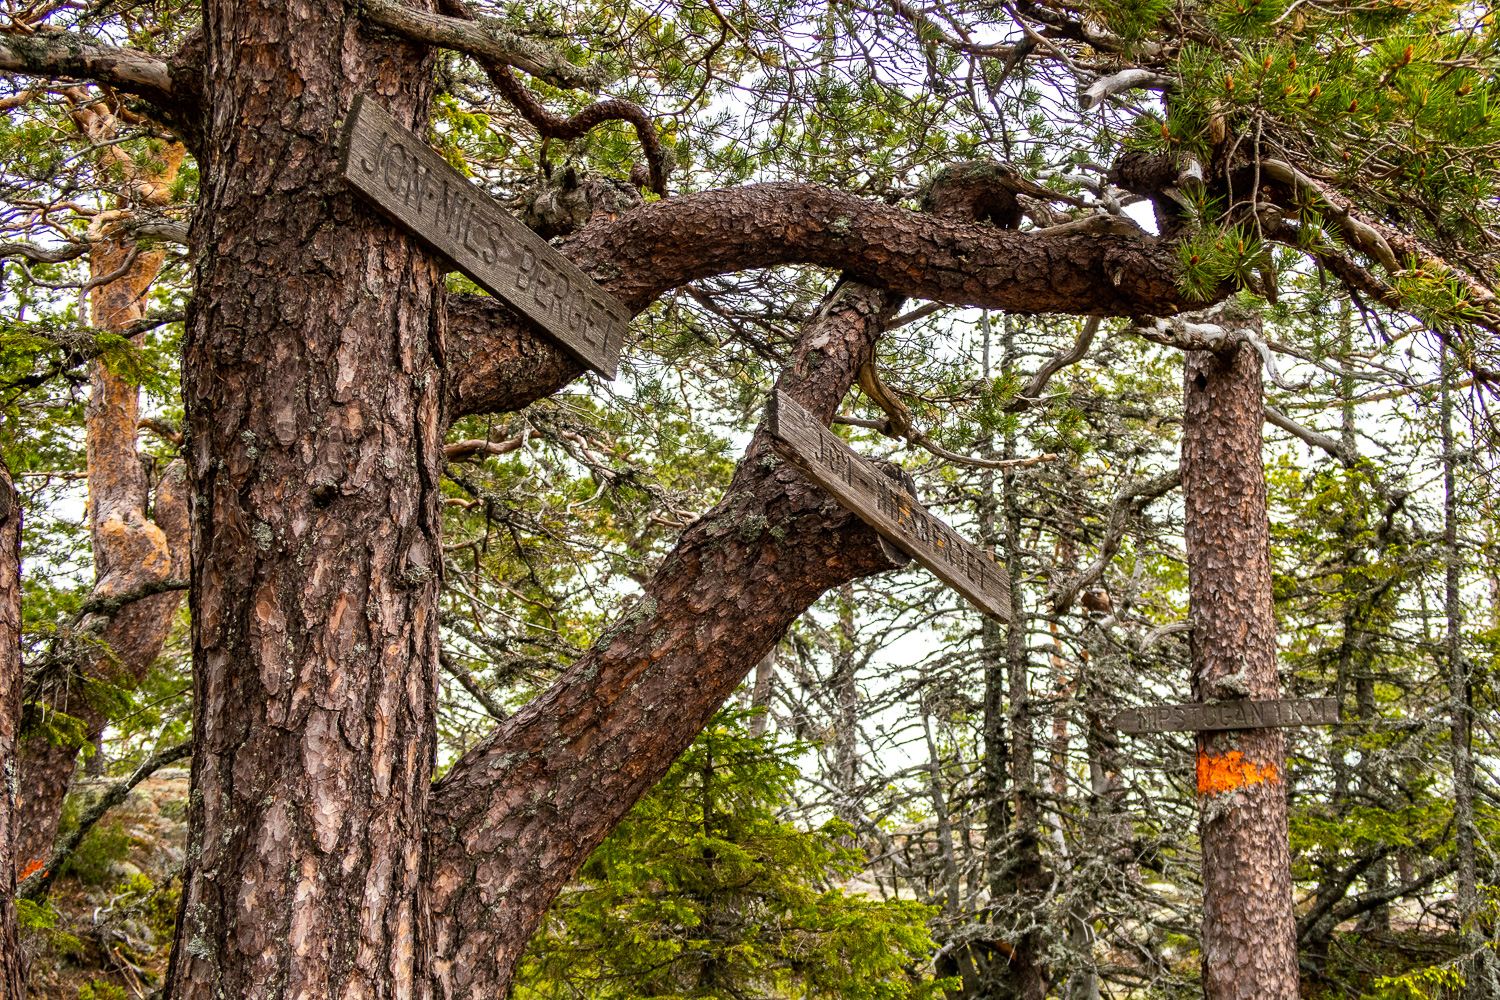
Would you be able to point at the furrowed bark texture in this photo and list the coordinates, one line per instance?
(514, 819)
(1249, 938)
(313, 392)
(130, 548)
(12, 980)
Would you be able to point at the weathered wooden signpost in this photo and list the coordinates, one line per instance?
(1225, 715)
(882, 504)
(417, 188)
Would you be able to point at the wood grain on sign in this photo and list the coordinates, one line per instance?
(1198, 718)
(881, 503)
(417, 188)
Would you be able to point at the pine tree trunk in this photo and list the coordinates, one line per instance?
(12, 978)
(1249, 935)
(313, 394)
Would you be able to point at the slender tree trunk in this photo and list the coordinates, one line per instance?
(1460, 708)
(314, 395)
(845, 691)
(1026, 977)
(1249, 934)
(130, 548)
(760, 695)
(12, 974)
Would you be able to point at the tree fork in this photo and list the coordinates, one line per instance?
(1249, 937)
(515, 818)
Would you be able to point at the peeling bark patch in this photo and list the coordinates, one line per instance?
(1227, 772)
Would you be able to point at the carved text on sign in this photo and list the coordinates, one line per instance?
(881, 503)
(1200, 718)
(417, 188)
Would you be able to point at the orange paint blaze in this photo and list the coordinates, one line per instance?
(29, 869)
(1230, 771)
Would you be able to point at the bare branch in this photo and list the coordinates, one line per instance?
(1032, 394)
(497, 52)
(460, 450)
(1106, 87)
(1312, 437)
(40, 254)
(61, 55)
(556, 127)
(114, 602)
(484, 42)
(1131, 499)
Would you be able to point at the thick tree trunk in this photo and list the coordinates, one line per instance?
(1249, 935)
(313, 390)
(513, 820)
(12, 978)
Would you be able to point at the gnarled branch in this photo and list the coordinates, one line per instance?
(500, 363)
(1131, 499)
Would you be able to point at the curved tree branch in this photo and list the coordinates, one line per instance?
(557, 127)
(499, 363)
(497, 52)
(1032, 394)
(1131, 499)
(1106, 87)
(663, 245)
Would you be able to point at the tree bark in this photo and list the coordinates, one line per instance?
(513, 819)
(1249, 934)
(313, 391)
(12, 974)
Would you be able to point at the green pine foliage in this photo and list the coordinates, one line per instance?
(705, 891)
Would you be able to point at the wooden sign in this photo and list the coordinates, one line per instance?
(417, 188)
(1199, 718)
(882, 504)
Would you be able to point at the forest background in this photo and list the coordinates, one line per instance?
(904, 798)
